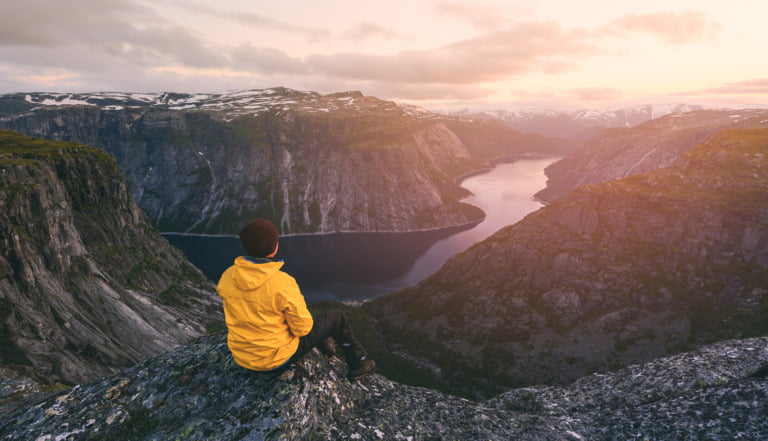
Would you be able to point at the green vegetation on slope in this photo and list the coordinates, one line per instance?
(17, 148)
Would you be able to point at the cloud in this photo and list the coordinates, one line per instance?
(265, 60)
(52, 79)
(672, 28)
(252, 19)
(427, 91)
(361, 31)
(54, 23)
(156, 45)
(524, 48)
(595, 94)
(116, 29)
(480, 15)
(124, 44)
(746, 87)
(367, 30)
(743, 87)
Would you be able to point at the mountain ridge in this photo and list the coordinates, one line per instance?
(621, 152)
(314, 163)
(572, 123)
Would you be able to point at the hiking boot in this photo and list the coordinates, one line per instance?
(329, 347)
(366, 368)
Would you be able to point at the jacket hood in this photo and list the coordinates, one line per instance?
(250, 273)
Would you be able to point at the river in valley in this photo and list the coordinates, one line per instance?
(354, 267)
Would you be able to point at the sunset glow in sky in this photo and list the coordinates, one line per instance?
(434, 53)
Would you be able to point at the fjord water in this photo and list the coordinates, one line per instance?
(353, 267)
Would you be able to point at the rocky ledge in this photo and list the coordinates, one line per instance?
(198, 393)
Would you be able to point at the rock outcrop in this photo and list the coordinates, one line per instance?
(312, 163)
(715, 392)
(197, 393)
(622, 152)
(87, 286)
(606, 276)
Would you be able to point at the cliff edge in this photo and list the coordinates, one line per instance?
(87, 286)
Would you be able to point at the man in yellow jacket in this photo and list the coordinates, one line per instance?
(267, 318)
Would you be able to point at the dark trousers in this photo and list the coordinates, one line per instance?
(332, 324)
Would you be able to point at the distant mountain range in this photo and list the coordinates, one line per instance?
(228, 105)
(576, 123)
(620, 152)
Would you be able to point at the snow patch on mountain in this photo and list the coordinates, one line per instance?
(229, 104)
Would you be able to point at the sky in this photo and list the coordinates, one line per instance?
(438, 54)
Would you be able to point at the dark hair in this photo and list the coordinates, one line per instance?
(259, 238)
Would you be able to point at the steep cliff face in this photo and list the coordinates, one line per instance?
(608, 275)
(620, 152)
(198, 393)
(340, 162)
(86, 285)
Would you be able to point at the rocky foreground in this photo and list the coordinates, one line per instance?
(197, 393)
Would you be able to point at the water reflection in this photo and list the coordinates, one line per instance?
(505, 194)
(360, 266)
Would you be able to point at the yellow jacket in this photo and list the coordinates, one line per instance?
(265, 313)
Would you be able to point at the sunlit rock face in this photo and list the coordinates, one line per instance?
(310, 162)
(606, 276)
(622, 152)
(196, 392)
(87, 286)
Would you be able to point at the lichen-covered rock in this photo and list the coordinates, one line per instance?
(14, 385)
(716, 392)
(198, 393)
